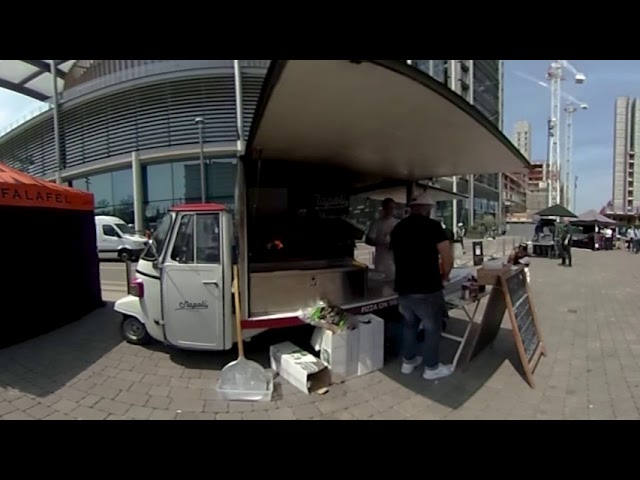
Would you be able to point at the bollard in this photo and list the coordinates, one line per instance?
(478, 253)
(127, 267)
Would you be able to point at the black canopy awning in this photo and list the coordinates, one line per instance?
(378, 117)
(556, 211)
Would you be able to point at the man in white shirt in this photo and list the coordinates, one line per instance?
(608, 239)
(379, 236)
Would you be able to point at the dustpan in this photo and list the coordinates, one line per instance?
(243, 379)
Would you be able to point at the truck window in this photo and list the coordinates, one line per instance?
(182, 251)
(154, 249)
(208, 238)
(109, 231)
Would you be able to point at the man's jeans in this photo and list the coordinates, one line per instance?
(428, 309)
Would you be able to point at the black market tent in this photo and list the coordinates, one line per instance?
(591, 217)
(556, 211)
(50, 269)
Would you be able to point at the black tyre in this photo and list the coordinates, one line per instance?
(134, 331)
(124, 255)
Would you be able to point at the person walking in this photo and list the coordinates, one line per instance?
(378, 236)
(608, 239)
(566, 245)
(423, 260)
(461, 231)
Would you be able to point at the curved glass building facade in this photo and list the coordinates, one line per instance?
(110, 111)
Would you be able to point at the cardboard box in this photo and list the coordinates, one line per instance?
(371, 344)
(490, 276)
(299, 368)
(338, 350)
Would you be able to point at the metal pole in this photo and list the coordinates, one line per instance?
(454, 206)
(237, 77)
(138, 194)
(203, 178)
(56, 125)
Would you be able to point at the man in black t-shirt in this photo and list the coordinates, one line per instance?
(423, 259)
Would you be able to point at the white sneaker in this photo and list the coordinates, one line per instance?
(440, 372)
(409, 367)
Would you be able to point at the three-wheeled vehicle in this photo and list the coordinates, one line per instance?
(323, 131)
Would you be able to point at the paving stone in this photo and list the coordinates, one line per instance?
(363, 411)
(40, 411)
(239, 407)
(187, 405)
(195, 416)
(305, 412)
(90, 400)
(158, 402)
(285, 413)
(162, 415)
(229, 416)
(24, 403)
(118, 383)
(17, 415)
(104, 392)
(139, 413)
(216, 406)
(133, 398)
(184, 392)
(7, 407)
(59, 416)
(112, 406)
(87, 413)
(263, 415)
(64, 406)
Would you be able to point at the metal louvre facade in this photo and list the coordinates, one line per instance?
(150, 116)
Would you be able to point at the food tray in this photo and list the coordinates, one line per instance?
(247, 395)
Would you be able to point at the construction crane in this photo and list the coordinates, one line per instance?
(570, 108)
(555, 76)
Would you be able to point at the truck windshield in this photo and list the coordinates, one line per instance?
(125, 229)
(155, 246)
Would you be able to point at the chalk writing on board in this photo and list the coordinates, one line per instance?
(523, 313)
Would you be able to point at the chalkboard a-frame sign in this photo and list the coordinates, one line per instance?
(511, 294)
(524, 320)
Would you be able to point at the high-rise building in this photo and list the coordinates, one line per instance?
(537, 188)
(514, 190)
(522, 138)
(626, 178)
(480, 82)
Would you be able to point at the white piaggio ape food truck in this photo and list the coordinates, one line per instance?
(323, 132)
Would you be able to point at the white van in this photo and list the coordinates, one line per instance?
(117, 240)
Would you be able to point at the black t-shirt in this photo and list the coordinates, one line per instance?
(414, 242)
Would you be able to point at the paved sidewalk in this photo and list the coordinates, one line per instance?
(84, 371)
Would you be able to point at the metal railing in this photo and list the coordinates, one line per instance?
(42, 108)
(139, 72)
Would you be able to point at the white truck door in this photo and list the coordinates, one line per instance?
(108, 241)
(193, 295)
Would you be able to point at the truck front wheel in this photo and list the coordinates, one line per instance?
(124, 255)
(134, 331)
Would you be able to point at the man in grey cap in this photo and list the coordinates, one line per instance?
(423, 259)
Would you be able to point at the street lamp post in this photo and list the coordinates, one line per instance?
(203, 181)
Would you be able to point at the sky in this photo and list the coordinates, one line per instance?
(524, 99)
(592, 160)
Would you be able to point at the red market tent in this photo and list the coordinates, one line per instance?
(49, 256)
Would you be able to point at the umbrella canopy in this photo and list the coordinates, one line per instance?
(17, 189)
(592, 217)
(556, 211)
